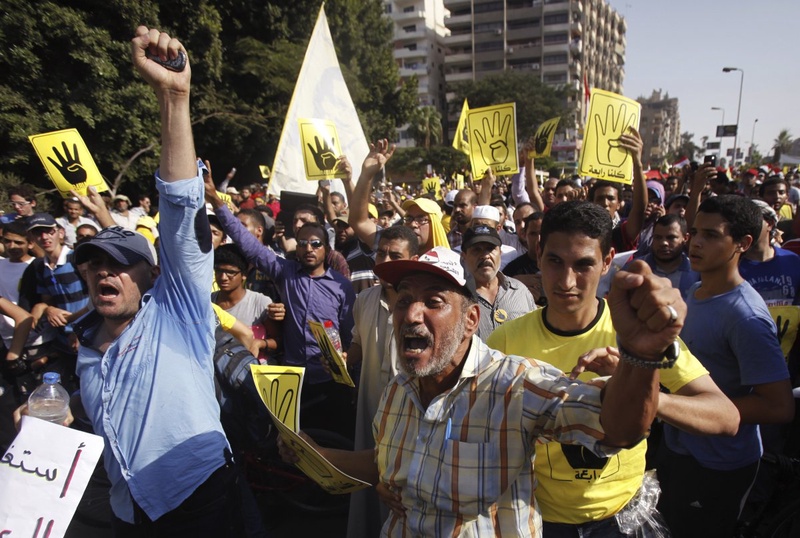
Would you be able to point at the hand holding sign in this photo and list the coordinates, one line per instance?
(492, 141)
(69, 165)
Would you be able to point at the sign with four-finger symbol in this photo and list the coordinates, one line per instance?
(604, 155)
(493, 139)
(543, 139)
(68, 162)
(321, 149)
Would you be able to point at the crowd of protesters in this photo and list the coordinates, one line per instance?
(538, 274)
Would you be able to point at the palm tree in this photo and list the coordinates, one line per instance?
(781, 145)
(426, 126)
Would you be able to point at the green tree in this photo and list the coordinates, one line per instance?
(687, 148)
(426, 126)
(67, 65)
(782, 144)
(536, 102)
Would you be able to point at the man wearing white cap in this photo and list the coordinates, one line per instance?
(456, 429)
(490, 216)
(122, 214)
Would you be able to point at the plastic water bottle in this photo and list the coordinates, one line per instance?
(333, 334)
(50, 401)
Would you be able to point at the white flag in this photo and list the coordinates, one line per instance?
(320, 92)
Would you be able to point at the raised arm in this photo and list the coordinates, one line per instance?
(95, 205)
(645, 328)
(379, 154)
(487, 182)
(632, 142)
(701, 176)
(178, 157)
(531, 185)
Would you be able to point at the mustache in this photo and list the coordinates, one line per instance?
(415, 331)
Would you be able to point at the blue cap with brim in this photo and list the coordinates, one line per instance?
(125, 246)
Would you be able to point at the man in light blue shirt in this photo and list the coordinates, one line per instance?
(145, 362)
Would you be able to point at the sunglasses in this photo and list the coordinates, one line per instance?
(314, 243)
(227, 272)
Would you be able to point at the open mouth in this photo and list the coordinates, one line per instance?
(106, 292)
(415, 341)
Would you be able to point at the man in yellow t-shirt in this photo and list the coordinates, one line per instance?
(576, 488)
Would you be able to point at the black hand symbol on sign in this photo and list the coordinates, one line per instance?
(69, 165)
(323, 155)
(541, 140)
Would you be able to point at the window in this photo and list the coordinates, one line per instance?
(408, 9)
(555, 59)
(556, 18)
(556, 78)
(489, 6)
(518, 24)
(490, 66)
(489, 45)
(488, 27)
(410, 28)
(556, 39)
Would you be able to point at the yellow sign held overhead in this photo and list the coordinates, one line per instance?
(321, 149)
(461, 138)
(433, 185)
(610, 116)
(68, 162)
(543, 139)
(459, 181)
(264, 169)
(493, 140)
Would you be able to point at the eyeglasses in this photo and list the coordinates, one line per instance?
(314, 243)
(20, 204)
(422, 220)
(230, 273)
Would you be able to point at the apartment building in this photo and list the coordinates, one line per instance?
(573, 43)
(660, 127)
(419, 33)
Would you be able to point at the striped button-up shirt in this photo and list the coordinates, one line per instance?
(464, 464)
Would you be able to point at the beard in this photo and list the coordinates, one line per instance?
(448, 344)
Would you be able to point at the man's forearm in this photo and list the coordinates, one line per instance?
(178, 157)
(630, 401)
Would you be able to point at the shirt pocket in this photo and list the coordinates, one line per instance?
(469, 477)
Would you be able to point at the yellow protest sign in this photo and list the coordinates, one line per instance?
(543, 139)
(610, 115)
(493, 140)
(461, 138)
(321, 148)
(433, 185)
(787, 319)
(265, 172)
(330, 355)
(279, 388)
(459, 181)
(68, 162)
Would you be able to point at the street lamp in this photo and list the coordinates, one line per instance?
(723, 123)
(738, 110)
(753, 140)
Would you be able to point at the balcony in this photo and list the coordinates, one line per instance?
(404, 53)
(458, 21)
(409, 71)
(401, 35)
(458, 77)
(455, 59)
(458, 39)
(405, 16)
(576, 28)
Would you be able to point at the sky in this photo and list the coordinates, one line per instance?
(681, 46)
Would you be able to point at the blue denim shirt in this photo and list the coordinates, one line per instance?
(151, 394)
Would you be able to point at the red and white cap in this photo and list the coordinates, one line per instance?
(440, 261)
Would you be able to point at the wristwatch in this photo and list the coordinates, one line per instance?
(670, 356)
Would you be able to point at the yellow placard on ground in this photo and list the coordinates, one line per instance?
(321, 148)
(279, 388)
(68, 162)
(461, 138)
(332, 358)
(493, 140)
(265, 172)
(433, 185)
(543, 139)
(610, 115)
